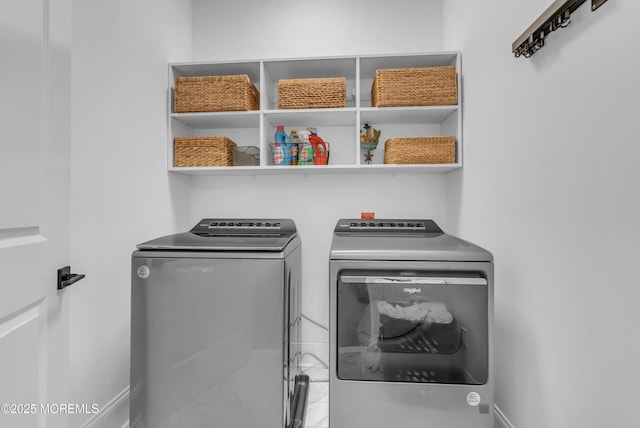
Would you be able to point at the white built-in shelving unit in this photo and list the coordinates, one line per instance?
(340, 127)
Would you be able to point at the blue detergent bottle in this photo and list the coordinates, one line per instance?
(284, 142)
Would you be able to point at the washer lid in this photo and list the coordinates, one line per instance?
(229, 235)
(409, 240)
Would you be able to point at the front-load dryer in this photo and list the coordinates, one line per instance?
(215, 327)
(411, 327)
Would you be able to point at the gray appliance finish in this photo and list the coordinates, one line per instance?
(215, 326)
(411, 327)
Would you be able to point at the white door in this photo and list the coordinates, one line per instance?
(34, 217)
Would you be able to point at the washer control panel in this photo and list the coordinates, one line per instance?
(244, 227)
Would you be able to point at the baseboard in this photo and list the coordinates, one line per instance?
(115, 413)
(318, 351)
(501, 419)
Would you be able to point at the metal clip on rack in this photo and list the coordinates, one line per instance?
(556, 16)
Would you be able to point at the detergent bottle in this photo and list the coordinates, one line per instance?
(282, 144)
(320, 152)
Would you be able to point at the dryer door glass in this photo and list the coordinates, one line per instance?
(415, 327)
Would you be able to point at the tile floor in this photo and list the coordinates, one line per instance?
(317, 415)
(318, 406)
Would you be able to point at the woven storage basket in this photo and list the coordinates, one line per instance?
(433, 150)
(312, 93)
(203, 151)
(425, 86)
(215, 93)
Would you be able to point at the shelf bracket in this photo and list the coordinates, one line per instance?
(558, 15)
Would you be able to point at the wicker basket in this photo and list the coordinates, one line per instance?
(426, 86)
(215, 93)
(312, 93)
(430, 150)
(203, 151)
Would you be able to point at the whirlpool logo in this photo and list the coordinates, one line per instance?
(412, 290)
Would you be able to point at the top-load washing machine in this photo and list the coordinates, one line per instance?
(215, 327)
(411, 327)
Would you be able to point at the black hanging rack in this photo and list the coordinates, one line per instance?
(556, 16)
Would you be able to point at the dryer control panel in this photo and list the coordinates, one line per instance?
(387, 226)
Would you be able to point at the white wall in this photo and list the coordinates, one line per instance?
(121, 193)
(246, 29)
(550, 186)
(288, 29)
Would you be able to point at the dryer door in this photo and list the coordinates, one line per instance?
(418, 327)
